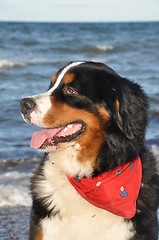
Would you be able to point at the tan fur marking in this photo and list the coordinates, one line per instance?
(117, 105)
(90, 141)
(93, 139)
(103, 113)
(53, 78)
(38, 234)
(68, 78)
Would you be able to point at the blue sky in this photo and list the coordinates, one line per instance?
(81, 10)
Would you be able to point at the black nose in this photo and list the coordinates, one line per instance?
(26, 104)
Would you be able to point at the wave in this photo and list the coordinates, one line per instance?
(105, 48)
(155, 151)
(14, 189)
(10, 64)
(5, 64)
(98, 49)
(14, 185)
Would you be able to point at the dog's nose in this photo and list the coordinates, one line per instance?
(26, 104)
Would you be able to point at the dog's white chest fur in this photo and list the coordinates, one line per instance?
(72, 216)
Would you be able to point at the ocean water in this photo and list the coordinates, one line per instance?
(29, 54)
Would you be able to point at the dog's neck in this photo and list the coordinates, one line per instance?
(66, 161)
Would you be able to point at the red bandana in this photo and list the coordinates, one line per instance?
(115, 191)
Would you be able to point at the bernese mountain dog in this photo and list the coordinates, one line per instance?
(97, 179)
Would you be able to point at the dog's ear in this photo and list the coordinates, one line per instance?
(122, 119)
(120, 115)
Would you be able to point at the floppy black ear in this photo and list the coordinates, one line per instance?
(119, 106)
(122, 118)
(129, 111)
(118, 109)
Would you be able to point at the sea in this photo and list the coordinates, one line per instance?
(29, 54)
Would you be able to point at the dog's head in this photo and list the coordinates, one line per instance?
(89, 105)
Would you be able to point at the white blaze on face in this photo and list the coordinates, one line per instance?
(61, 75)
(43, 103)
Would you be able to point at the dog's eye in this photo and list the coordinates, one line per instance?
(69, 91)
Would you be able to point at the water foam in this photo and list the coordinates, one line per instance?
(104, 48)
(4, 63)
(14, 189)
(155, 151)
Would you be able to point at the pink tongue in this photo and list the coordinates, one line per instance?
(39, 137)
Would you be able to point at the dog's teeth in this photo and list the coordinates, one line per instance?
(70, 126)
(65, 129)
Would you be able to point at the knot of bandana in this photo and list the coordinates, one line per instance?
(115, 191)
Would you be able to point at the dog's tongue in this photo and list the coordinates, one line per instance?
(39, 137)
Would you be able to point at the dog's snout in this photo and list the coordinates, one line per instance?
(27, 104)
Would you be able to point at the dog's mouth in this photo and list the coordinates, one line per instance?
(49, 139)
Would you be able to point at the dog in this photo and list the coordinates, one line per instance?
(97, 179)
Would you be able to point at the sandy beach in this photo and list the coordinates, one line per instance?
(14, 223)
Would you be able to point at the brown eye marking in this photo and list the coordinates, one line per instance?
(53, 78)
(70, 91)
(68, 78)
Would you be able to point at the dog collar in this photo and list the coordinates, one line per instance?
(115, 191)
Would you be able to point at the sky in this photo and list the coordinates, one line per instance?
(79, 11)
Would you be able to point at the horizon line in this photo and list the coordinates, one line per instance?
(62, 22)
